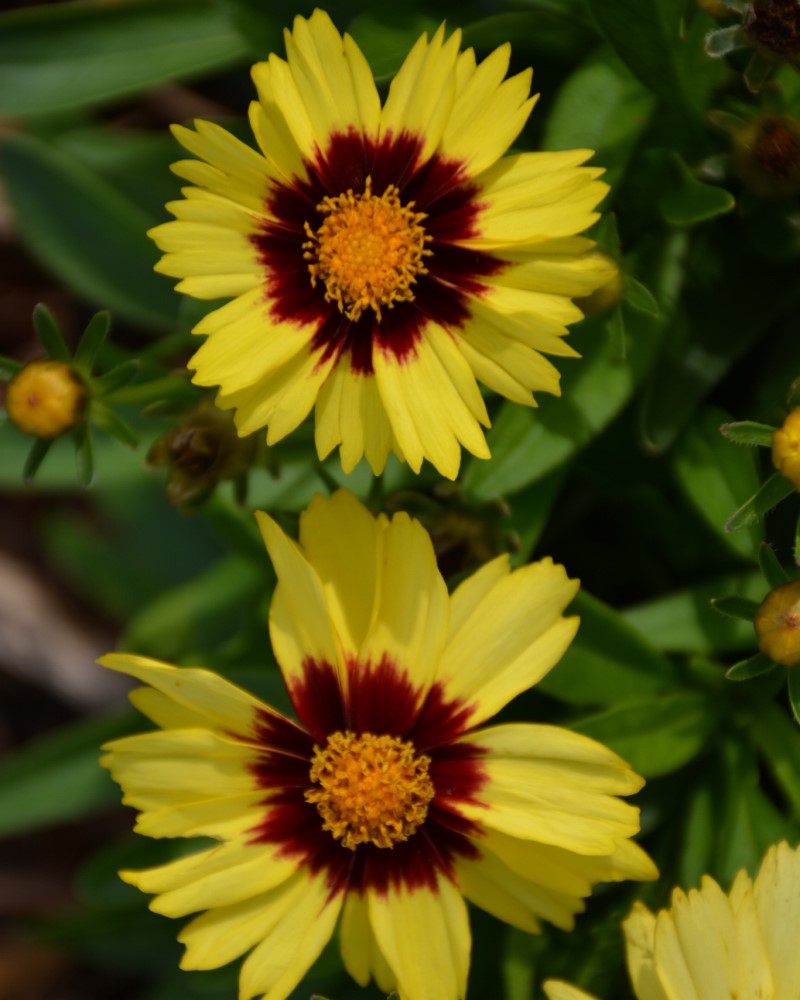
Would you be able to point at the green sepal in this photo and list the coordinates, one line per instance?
(755, 666)
(116, 378)
(9, 367)
(748, 432)
(794, 692)
(39, 449)
(113, 424)
(84, 453)
(735, 607)
(91, 341)
(639, 296)
(774, 573)
(50, 336)
(775, 489)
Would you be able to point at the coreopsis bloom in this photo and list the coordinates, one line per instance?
(709, 946)
(388, 800)
(381, 258)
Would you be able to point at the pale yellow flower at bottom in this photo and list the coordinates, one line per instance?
(709, 946)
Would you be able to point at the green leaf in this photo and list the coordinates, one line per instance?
(715, 476)
(198, 613)
(639, 297)
(794, 692)
(657, 735)
(84, 453)
(774, 573)
(49, 334)
(9, 367)
(755, 666)
(776, 737)
(651, 40)
(36, 456)
(91, 341)
(735, 607)
(775, 489)
(684, 622)
(58, 778)
(527, 444)
(62, 56)
(113, 424)
(117, 378)
(608, 660)
(693, 202)
(85, 232)
(748, 432)
(603, 107)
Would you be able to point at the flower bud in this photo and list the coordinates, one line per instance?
(46, 398)
(773, 27)
(200, 452)
(786, 448)
(777, 624)
(605, 297)
(766, 155)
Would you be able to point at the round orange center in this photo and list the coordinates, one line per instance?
(371, 789)
(368, 251)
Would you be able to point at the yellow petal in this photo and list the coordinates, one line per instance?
(422, 93)
(553, 786)
(343, 542)
(410, 619)
(333, 78)
(223, 704)
(557, 989)
(489, 112)
(640, 930)
(299, 623)
(350, 412)
(512, 636)
(224, 874)
(777, 896)
(425, 938)
(491, 885)
(302, 925)
(360, 952)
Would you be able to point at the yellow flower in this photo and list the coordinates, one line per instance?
(383, 805)
(46, 398)
(777, 624)
(709, 946)
(381, 258)
(786, 448)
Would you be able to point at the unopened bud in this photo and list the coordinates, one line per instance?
(46, 398)
(766, 155)
(777, 624)
(786, 448)
(773, 26)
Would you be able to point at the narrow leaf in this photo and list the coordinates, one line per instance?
(639, 297)
(775, 489)
(9, 367)
(755, 666)
(735, 607)
(49, 334)
(794, 692)
(113, 424)
(39, 449)
(775, 574)
(118, 377)
(84, 453)
(92, 339)
(748, 432)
